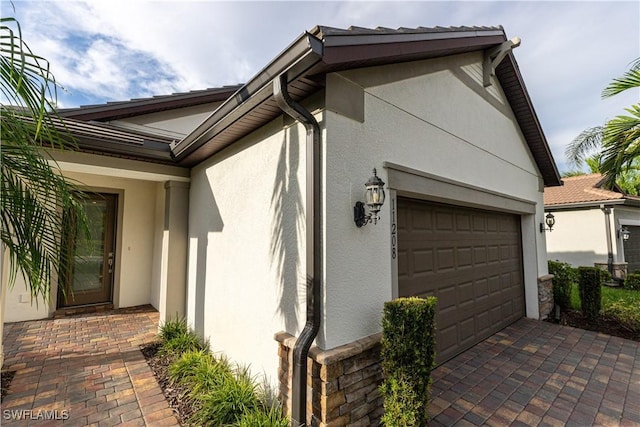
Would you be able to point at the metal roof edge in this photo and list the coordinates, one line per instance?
(334, 40)
(257, 89)
(556, 179)
(122, 109)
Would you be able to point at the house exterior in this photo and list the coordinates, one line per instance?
(235, 205)
(590, 220)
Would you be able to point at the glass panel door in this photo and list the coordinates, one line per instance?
(89, 278)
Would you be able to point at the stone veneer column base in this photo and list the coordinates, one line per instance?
(342, 383)
(545, 296)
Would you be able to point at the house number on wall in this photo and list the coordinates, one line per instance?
(394, 239)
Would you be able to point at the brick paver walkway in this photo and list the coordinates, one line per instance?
(83, 370)
(540, 374)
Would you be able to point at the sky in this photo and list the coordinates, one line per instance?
(113, 50)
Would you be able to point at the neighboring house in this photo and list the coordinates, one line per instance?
(590, 221)
(231, 212)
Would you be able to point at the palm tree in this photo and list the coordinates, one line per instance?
(34, 193)
(618, 139)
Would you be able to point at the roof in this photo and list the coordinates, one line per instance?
(306, 62)
(136, 107)
(325, 49)
(583, 189)
(104, 138)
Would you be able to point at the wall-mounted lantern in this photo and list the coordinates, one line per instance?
(624, 233)
(550, 221)
(374, 199)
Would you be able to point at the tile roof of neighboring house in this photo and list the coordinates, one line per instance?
(581, 189)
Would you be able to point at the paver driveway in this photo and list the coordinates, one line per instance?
(84, 370)
(540, 374)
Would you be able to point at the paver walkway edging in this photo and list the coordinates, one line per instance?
(84, 370)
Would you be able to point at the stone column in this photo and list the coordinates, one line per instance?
(343, 382)
(545, 296)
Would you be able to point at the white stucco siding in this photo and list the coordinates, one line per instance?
(578, 237)
(158, 271)
(246, 269)
(430, 120)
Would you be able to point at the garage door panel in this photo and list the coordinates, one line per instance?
(471, 260)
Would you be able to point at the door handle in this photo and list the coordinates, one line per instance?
(110, 262)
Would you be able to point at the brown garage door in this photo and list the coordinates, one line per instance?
(632, 249)
(471, 260)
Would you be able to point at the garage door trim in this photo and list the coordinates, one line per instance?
(421, 185)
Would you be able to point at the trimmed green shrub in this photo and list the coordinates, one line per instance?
(589, 281)
(227, 402)
(180, 344)
(627, 315)
(173, 328)
(200, 371)
(408, 353)
(564, 277)
(264, 417)
(632, 282)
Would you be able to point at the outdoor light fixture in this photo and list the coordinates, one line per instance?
(374, 199)
(550, 221)
(624, 233)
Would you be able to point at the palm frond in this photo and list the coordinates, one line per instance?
(34, 194)
(621, 144)
(629, 80)
(584, 145)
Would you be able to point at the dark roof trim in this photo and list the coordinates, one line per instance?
(136, 107)
(515, 90)
(335, 37)
(298, 58)
(103, 138)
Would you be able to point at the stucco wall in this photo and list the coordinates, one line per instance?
(434, 118)
(159, 267)
(578, 237)
(134, 253)
(246, 270)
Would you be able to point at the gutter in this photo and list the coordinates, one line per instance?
(294, 61)
(314, 249)
(607, 221)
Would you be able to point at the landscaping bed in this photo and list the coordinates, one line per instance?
(204, 388)
(159, 364)
(604, 324)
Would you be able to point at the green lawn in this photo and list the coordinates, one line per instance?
(609, 296)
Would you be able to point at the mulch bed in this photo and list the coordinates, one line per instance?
(5, 382)
(605, 324)
(182, 407)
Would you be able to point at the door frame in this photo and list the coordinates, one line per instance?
(119, 215)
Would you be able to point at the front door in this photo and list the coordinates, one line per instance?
(88, 278)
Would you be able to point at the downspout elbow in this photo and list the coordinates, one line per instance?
(314, 260)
